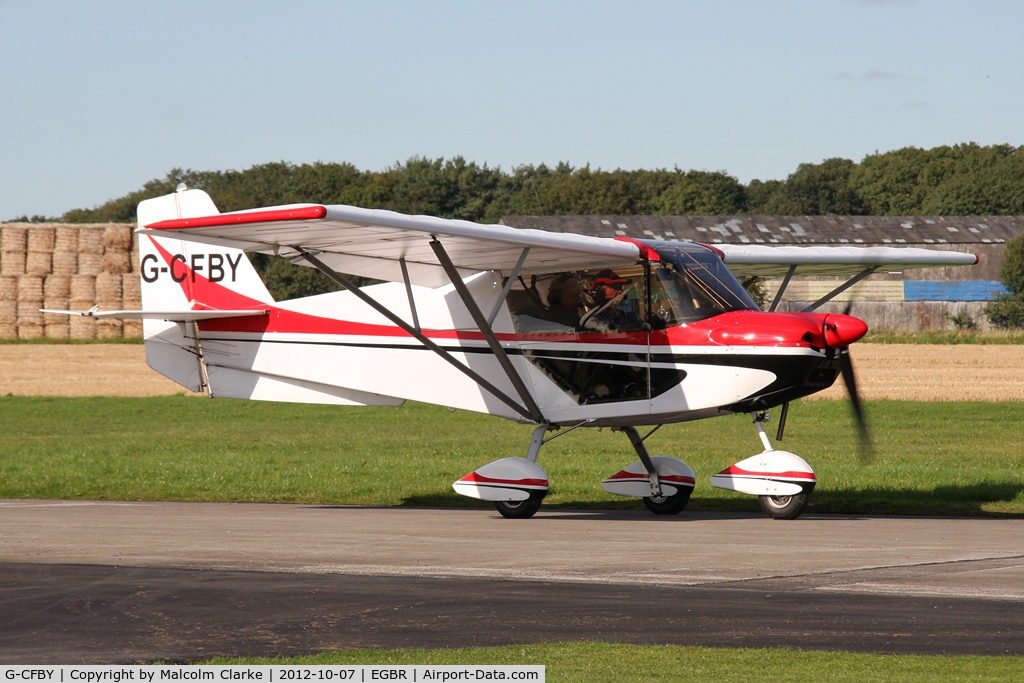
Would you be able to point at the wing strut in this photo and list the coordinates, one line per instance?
(408, 293)
(485, 328)
(785, 283)
(842, 288)
(372, 303)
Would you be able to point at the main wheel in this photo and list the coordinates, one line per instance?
(784, 507)
(669, 505)
(519, 509)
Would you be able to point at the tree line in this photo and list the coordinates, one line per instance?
(965, 179)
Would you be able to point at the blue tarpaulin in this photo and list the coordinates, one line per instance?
(929, 290)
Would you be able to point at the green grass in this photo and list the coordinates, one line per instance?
(930, 458)
(598, 662)
(49, 340)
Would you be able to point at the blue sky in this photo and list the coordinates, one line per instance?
(98, 98)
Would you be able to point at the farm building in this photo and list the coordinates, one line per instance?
(920, 299)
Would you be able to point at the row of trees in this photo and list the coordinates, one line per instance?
(966, 179)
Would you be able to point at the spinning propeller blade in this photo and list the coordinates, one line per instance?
(850, 379)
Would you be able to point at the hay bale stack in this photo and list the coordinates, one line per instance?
(66, 263)
(90, 251)
(13, 249)
(83, 297)
(109, 296)
(57, 295)
(8, 307)
(30, 300)
(65, 251)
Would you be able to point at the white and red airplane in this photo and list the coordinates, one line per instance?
(552, 329)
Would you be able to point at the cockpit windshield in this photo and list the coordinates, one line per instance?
(691, 283)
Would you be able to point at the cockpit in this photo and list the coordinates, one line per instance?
(688, 284)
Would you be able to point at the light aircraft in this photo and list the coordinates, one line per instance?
(556, 330)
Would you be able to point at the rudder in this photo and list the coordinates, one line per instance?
(182, 275)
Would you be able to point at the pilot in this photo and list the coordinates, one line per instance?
(613, 311)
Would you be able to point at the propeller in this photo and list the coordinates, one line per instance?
(839, 332)
(850, 379)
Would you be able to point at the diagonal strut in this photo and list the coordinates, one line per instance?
(375, 305)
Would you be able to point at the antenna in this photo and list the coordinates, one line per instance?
(534, 185)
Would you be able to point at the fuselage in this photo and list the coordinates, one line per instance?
(680, 359)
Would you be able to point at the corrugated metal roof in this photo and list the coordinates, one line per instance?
(852, 230)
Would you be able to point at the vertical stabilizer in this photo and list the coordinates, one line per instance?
(182, 275)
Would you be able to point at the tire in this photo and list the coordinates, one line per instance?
(519, 509)
(784, 507)
(669, 505)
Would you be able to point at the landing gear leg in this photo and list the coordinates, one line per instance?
(657, 502)
(524, 509)
(779, 507)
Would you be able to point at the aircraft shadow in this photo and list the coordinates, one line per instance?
(978, 499)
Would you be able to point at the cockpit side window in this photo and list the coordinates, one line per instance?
(581, 302)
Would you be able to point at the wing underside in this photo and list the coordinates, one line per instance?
(765, 261)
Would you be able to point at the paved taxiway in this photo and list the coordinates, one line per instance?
(128, 581)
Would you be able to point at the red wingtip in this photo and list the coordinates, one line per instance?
(645, 251)
(302, 213)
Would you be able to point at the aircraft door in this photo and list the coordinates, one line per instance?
(586, 331)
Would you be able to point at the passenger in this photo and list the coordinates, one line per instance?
(613, 311)
(564, 297)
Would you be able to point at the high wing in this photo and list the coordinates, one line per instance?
(764, 261)
(860, 262)
(375, 243)
(379, 244)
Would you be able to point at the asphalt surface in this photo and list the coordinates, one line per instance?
(103, 582)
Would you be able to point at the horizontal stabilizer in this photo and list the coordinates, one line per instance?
(172, 316)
